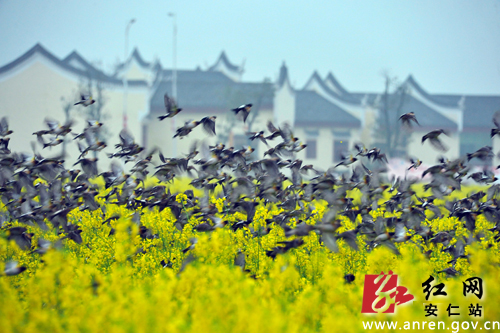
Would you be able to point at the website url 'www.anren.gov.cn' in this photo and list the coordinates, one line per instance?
(455, 327)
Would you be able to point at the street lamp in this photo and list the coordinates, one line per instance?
(174, 73)
(125, 81)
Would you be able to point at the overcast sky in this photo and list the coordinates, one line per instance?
(449, 46)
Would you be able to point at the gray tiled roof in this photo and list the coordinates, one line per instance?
(312, 109)
(370, 97)
(447, 99)
(211, 91)
(187, 75)
(478, 110)
(426, 116)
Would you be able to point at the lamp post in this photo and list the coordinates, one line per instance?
(174, 73)
(125, 81)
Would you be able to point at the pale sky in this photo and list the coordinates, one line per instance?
(448, 46)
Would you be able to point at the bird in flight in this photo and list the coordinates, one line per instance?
(85, 100)
(243, 111)
(170, 107)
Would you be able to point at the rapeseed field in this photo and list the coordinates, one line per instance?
(122, 282)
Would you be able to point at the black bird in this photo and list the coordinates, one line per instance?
(21, 237)
(433, 138)
(209, 124)
(257, 135)
(496, 121)
(347, 161)
(483, 153)
(414, 163)
(170, 107)
(349, 278)
(187, 128)
(4, 127)
(85, 100)
(13, 268)
(243, 111)
(407, 118)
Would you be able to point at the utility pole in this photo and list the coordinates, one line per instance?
(174, 75)
(125, 81)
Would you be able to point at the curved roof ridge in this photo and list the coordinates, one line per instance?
(336, 83)
(225, 60)
(411, 80)
(73, 54)
(344, 98)
(38, 48)
(76, 56)
(138, 57)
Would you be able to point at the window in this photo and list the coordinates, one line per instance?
(311, 148)
(340, 148)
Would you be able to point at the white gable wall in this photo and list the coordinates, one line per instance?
(33, 91)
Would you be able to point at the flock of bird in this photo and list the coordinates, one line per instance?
(245, 183)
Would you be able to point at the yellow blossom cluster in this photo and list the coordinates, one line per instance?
(118, 281)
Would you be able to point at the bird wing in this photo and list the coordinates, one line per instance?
(436, 143)
(208, 125)
(52, 124)
(126, 137)
(166, 100)
(271, 127)
(496, 119)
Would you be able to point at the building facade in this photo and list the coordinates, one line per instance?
(326, 117)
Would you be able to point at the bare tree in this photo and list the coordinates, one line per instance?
(389, 135)
(67, 105)
(93, 84)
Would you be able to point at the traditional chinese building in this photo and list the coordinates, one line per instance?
(326, 116)
(38, 85)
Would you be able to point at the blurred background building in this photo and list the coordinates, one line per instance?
(325, 115)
